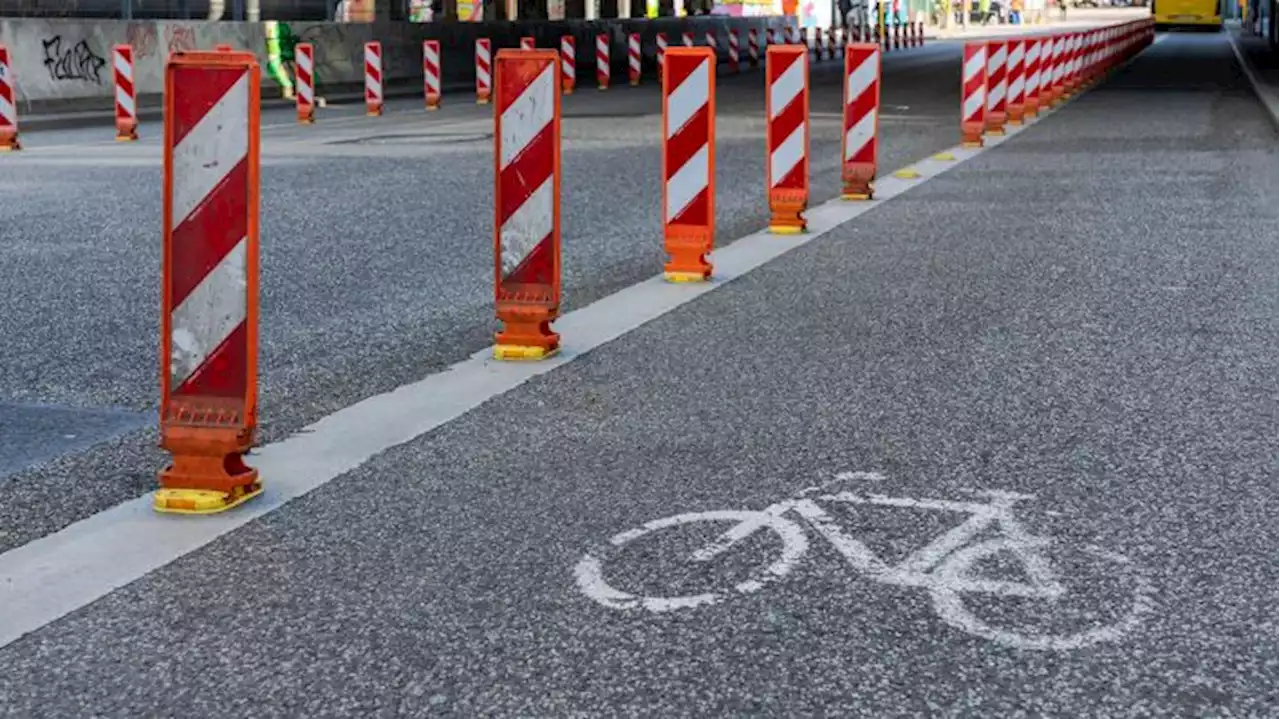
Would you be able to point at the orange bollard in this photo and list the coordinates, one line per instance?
(568, 64)
(688, 162)
(1017, 81)
(859, 145)
(8, 105)
(304, 63)
(431, 73)
(997, 88)
(973, 94)
(786, 70)
(126, 98)
(526, 241)
(373, 78)
(209, 295)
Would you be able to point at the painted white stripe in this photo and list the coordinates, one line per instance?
(372, 57)
(531, 222)
(483, 76)
(973, 66)
(687, 182)
(995, 94)
(687, 99)
(635, 62)
(306, 93)
(125, 101)
(211, 150)
(602, 46)
(861, 78)
(566, 66)
(432, 55)
(209, 314)
(55, 575)
(786, 88)
(525, 118)
(123, 66)
(433, 82)
(482, 52)
(862, 132)
(303, 61)
(1017, 88)
(787, 155)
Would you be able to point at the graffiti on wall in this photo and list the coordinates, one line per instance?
(77, 62)
(142, 37)
(180, 38)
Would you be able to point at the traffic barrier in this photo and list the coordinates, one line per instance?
(484, 70)
(710, 37)
(997, 86)
(796, 36)
(688, 162)
(568, 64)
(735, 61)
(1055, 70)
(528, 43)
(753, 47)
(602, 61)
(209, 290)
(973, 94)
(897, 37)
(777, 37)
(373, 78)
(1017, 80)
(1071, 54)
(1031, 94)
(526, 242)
(126, 97)
(304, 64)
(634, 68)
(686, 39)
(786, 70)
(8, 105)
(831, 43)
(860, 142)
(431, 73)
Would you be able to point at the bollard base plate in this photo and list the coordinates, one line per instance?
(786, 229)
(907, 175)
(202, 501)
(944, 156)
(523, 353)
(685, 277)
(852, 196)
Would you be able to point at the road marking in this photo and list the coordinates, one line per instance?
(47, 578)
(944, 567)
(1269, 100)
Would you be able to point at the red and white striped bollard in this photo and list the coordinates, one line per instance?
(787, 137)
(753, 47)
(973, 94)
(431, 73)
(688, 163)
(484, 70)
(373, 78)
(8, 105)
(735, 59)
(859, 144)
(602, 61)
(634, 69)
(568, 64)
(304, 65)
(1017, 81)
(126, 97)
(997, 86)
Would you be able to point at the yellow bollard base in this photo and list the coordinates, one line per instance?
(202, 501)
(786, 230)
(681, 277)
(126, 138)
(995, 131)
(907, 175)
(944, 157)
(482, 101)
(523, 353)
(855, 196)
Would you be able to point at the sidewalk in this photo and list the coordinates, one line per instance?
(1077, 19)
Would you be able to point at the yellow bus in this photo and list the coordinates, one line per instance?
(1205, 14)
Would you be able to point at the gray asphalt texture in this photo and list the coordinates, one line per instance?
(377, 252)
(1087, 314)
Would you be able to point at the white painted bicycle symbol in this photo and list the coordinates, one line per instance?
(948, 567)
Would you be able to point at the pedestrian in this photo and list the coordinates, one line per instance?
(1062, 10)
(1015, 12)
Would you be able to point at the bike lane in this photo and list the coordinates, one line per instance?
(1086, 314)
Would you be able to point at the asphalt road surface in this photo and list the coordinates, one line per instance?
(1081, 323)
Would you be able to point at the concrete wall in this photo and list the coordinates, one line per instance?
(65, 64)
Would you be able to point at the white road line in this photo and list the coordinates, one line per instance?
(50, 577)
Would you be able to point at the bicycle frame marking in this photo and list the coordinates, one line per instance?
(943, 567)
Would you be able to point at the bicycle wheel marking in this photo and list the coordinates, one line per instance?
(944, 567)
(589, 573)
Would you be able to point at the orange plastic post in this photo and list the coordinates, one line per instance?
(304, 64)
(688, 162)
(786, 69)
(209, 293)
(860, 141)
(526, 240)
(8, 105)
